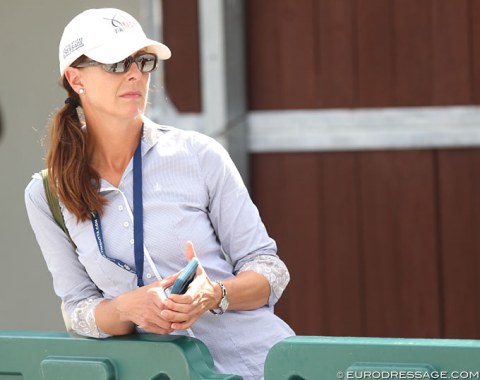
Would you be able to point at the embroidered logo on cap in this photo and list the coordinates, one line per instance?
(72, 46)
(121, 25)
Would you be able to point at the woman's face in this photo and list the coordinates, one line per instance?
(117, 95)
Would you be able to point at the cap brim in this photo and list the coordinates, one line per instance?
(122, 48)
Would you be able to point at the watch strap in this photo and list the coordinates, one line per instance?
(222, 306)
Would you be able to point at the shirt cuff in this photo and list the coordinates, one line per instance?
(274, 270)
(82, 320)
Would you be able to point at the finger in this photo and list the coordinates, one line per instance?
(157, 296)
(193, 310)
(182, 325)
(190, 254)
(172, 316)
(163, 326)
(153, 322)
(167, 282)
(189, 251)
(157, 330)
(178, 299)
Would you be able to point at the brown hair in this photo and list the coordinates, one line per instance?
(70, 172)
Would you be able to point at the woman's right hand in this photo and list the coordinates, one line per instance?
(144, 305)
(141, 307)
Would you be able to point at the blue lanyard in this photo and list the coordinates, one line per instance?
(137, 221)
(138, 212)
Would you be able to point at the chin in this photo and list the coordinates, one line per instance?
(134, 113)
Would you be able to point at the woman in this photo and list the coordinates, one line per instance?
(140, 200)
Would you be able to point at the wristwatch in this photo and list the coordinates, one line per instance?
(223, 305)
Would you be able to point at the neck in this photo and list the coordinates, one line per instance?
(112, 146)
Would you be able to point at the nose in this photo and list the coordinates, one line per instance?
(134, 72)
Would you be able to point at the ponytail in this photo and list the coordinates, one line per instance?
(70, 173)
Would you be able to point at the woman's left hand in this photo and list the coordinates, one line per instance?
(183, 310)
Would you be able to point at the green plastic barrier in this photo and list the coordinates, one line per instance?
(308, 358)
(31, 355)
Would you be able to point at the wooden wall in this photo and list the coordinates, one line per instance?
(340, 53)
(379, 243)
(362, 53)
(182, 70)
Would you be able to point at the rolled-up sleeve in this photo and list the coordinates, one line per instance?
(70, 280)
(83, 319)
(274, 270)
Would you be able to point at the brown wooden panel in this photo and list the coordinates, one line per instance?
(459, 188)
(298, 71)
(281, 56)
(291, 188)
(418, 244)
(309, 204)
(303, 190)
(182, 70)
(263, 54)
(474, 17)
(380, 243)
(340, 53)
(452, 52)
(375, 53)
(336, 53)
(412, 84)
(398, 243)
(343, 276)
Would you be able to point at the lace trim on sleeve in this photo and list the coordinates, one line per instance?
(274, 270)
(83, 319)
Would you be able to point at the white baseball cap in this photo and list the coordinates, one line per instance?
(106, 35)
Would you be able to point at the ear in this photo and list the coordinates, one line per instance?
(73, 77)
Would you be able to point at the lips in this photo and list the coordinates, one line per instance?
(131, 94)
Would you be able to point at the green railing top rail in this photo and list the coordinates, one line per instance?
(35, 355)
(337, 340)
(310, 357)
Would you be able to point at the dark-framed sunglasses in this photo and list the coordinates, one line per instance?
(146, 63)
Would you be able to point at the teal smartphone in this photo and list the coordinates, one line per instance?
(185, 277)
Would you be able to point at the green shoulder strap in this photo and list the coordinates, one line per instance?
(54, 205)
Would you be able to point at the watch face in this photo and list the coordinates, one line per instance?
(224, 303)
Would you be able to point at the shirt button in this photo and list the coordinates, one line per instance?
(126, 224)
(149, 275)
(132, 241)
(120, 208)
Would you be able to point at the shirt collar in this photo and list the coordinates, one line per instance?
(152, 132)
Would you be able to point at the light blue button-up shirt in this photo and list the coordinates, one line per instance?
(191, 191)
